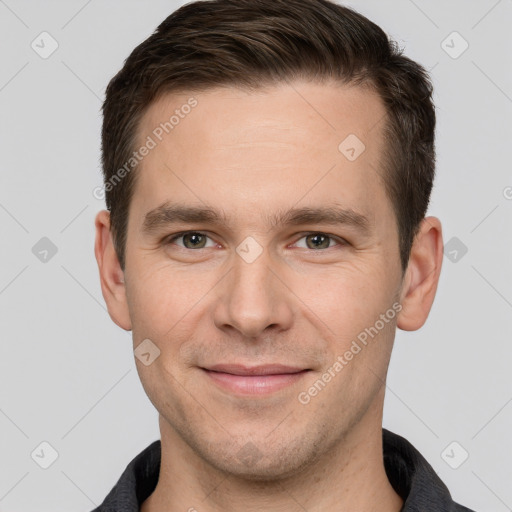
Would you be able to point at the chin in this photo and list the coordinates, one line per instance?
(268, 464)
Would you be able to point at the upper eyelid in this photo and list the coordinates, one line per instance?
(183, 233)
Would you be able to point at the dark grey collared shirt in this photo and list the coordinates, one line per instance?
(412, 477)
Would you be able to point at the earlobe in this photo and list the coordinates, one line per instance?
(422, 275)
(111, 274)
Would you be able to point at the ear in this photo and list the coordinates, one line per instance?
(111, 274)
(422, 275)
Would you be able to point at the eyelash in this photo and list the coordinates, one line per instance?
(339, 241)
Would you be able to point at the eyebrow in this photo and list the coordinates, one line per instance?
(168, 213)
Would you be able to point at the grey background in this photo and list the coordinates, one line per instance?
(67, 372)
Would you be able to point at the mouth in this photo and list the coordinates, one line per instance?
(255, 380)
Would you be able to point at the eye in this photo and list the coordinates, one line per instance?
(319, 241)
(191, 240)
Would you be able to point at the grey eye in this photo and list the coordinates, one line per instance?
(194, 240)
(317, 241)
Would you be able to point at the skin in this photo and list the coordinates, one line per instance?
(254, 154)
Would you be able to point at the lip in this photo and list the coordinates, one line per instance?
(264, 369)
(254, 380)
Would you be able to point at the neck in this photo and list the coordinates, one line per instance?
(350, 476)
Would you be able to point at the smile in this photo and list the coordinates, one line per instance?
(259, 380)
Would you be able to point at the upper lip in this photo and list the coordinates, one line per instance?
(266, 369)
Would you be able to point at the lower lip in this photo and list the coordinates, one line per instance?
(254, 384)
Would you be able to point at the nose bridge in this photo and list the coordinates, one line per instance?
(251, 300)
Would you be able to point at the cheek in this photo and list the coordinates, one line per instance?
(346, 300)
(346, 310)
(161, 297)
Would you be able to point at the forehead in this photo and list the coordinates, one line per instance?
(270, 148)
(310, 110)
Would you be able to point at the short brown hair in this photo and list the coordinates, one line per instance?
(251, 43)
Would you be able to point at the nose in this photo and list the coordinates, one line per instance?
(253, 298)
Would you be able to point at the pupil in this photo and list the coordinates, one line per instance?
(319, 241)
(194, 239)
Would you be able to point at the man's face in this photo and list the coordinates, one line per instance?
(254, 289)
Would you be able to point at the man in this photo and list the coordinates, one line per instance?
(268, 166)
